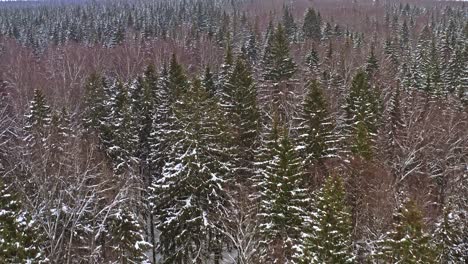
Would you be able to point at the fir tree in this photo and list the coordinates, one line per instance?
(408, 242)
(19, 235)
(330, 239)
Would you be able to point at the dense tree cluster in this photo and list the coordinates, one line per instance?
(310, 143)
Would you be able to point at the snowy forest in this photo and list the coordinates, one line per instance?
(233, 131)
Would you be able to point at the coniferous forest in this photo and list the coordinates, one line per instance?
(233, 131)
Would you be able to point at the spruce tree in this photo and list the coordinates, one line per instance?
(94, 111)
(282, 201)
(316, 127)
(312, 62)
(408, 242)
(208, 81)
(312, 25)
(38, 120)
(290, 27)
(372, 65)
(19, 235)
(125, 235)
(362, 112)
(189, 197)
(278, 65)
(450, 237)
(239, 103)
(330, 226)
(177, 80)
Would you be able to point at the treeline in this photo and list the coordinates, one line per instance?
(355, 152)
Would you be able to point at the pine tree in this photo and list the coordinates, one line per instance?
(408, 242)
(312, 25)
(19, 235)
(282, 202)
(330, 239)
(316, 127)
(125, 235)
(189, 198)
(362, 112)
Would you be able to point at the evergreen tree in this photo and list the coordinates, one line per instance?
(38, 120)
(278, 66)
(19, 235)
(189, 197)
(126, 237)
(94, 111)
(282, 202)
(177, 80)
(312, 61)
(372, 65)
(408, 242)
(316, 127)
(450, 237)
(290, 27)
(330, 239)
(119, 138)
(59, 140)
(312, 25)
(362, 111)
(394, 122)
(209, 82)
(239, 102)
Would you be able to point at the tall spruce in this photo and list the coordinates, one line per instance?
(239, 103)
(19, 234)
(330, 226)
(316, 127)
(189, 198)
(312, 25)
(408, 241)
(362, 114)
(282, 201)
